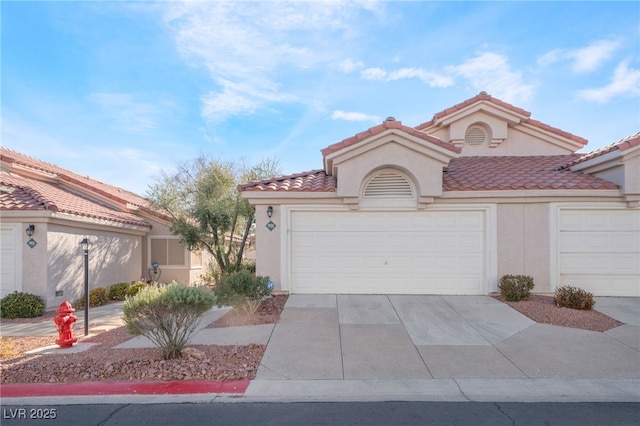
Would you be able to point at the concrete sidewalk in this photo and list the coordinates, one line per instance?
(427, 348)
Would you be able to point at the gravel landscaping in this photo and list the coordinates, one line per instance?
(103, 362)
(542, 309)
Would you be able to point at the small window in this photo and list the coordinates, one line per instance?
(168, 252)
(476, 135)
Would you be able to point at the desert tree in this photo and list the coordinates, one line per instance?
(206, 210)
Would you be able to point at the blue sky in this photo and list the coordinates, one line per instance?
(121, 91)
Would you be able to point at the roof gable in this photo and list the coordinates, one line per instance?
(507, 124)
(365, 140)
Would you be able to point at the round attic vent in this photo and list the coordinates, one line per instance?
(476, 135)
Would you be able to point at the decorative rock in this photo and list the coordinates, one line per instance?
(193, 353)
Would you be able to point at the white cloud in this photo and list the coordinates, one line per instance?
(373, 74)
(625, 82)
(249, 48)
(589, 58)
(583, 60)
(130, 113)
(349, 65)
(219, 106)
(429, 78)
(354, 116)
(492, 73)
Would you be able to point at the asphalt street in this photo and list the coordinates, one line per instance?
(354, 413)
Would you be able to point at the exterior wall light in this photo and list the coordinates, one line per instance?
(30, 230)
(270, 226)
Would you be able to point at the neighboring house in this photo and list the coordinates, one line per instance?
(449, 206)
(126, 236)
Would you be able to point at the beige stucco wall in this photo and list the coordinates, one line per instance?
(113, 257)
(34, 261)
(517, 143)
(523, 242)
(426, 172)
(268, 243)
(186, 275)
(632, 174)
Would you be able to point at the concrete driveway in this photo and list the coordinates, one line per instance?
(375, 337)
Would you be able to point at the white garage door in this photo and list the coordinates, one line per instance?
(384, 253)
(600, 251)
(9, 250)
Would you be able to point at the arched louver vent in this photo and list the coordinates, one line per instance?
(388, 185)
(475, 136)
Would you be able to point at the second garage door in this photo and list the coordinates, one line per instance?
(388, 253)
(599, 251)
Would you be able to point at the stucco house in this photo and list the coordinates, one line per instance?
(449, 206)
(46, 211)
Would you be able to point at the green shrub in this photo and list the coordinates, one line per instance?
(21, 305)
(97, 297)
(135, 288)
(167, 315)
(515, 287)
(242, 290)
(574, 298)
(119, 291)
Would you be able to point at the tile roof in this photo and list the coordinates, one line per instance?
(104, 189)
(483, 96)
(23, 193)
(517, 173)
(389, 123)
(313, 181)
(621, 145)
(466, 174)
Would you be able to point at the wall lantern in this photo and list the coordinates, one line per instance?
(30, 230)
(270, 226)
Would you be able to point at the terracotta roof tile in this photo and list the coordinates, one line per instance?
(517, 173)
(313, 181)
(466, 174)
(389, 123)
(22, 193)
(621, 145)
(118, 195)
(483, 96)
(109, 191)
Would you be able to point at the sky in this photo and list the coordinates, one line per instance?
(122, 91)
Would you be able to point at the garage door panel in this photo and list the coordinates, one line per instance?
(599, 250)
(605, 285)
(390, 252)
(589, 220)
(585, 242)
(600, 263)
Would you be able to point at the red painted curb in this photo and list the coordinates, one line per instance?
(122, 388)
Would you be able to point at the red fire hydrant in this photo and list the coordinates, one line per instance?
(65, 321)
